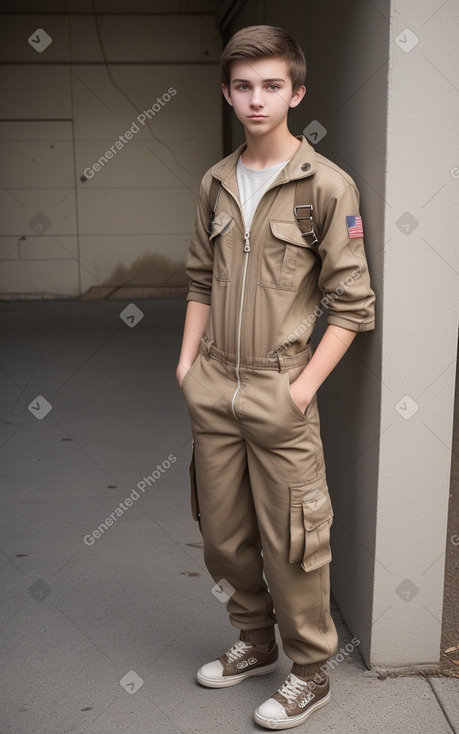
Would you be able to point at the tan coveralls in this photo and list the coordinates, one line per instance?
(259, 487)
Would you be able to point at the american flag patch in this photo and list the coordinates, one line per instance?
(354, 226)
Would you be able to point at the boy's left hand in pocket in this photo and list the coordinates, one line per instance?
(299, 397)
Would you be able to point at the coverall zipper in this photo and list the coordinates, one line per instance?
(241, 304)
(239, 327)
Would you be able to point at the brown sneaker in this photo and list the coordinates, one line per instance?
(240, 662)
(293, 703)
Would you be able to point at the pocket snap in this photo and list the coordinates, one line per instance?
(311, 516)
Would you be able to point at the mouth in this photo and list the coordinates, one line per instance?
(257, 117)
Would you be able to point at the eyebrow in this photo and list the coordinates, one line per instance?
(246, 81)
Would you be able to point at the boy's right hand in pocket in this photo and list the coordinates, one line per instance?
(180, 372)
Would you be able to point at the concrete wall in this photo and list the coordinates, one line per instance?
(389, 115)
(419, 322)
(72, 231)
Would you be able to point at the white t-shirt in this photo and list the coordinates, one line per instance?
(252, 184)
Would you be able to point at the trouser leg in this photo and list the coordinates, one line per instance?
(287, 474)
(231, 538)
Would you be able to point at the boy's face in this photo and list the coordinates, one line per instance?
(261, 93)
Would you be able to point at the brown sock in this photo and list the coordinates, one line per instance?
(258, 637)
(265, 646)
(308, 672)
(311, 677)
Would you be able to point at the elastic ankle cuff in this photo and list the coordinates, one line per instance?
(266, 634)
(309, 670)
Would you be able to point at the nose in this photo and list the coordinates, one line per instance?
(256, 99)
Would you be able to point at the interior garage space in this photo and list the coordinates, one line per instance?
(111, 112)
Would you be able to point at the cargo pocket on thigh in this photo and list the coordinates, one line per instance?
(311, 516)
(194, 491)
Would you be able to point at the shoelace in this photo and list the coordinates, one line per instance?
(237, 651)
(292, 688)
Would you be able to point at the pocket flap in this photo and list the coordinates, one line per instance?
(314, 497)
(222, 224)
(317, 507)
(289, 232)
(311, 516)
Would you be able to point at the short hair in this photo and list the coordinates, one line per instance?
(260, 42)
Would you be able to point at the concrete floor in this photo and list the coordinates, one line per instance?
(106, 636)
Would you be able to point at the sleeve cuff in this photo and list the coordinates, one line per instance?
(199, 297)
(350, 324)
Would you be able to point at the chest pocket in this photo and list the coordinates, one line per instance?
(287, 257)
(221, 239)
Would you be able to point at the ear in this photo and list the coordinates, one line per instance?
(226, 94)
(298, 96)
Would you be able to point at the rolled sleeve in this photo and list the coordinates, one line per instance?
(200, 261)
(344, 278)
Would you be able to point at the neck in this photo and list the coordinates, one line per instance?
(264, 151)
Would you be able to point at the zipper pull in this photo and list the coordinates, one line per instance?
(247, 241)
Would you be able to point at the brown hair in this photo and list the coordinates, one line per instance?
(260, 42)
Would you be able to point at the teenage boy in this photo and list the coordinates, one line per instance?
(278, 235)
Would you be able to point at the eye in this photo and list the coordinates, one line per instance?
(273, 87)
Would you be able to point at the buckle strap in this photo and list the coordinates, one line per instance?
(304, 213)
(303, 227)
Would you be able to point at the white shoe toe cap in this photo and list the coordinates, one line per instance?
(212, 671)
(271, 709)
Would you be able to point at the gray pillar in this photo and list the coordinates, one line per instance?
(388, 409)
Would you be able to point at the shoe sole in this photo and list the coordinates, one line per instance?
(232, 680)
(274, 723)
